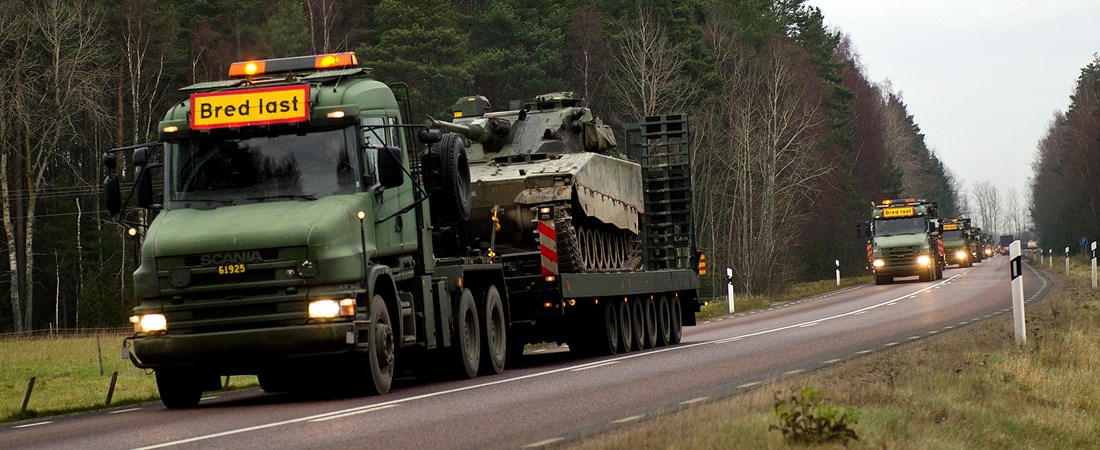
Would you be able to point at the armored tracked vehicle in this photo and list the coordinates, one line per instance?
(552, 151)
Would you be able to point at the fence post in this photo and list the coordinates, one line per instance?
(111, 389)
(27, 399)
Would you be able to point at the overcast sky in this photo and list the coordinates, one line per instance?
(983, 78)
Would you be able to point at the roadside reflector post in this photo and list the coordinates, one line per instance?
(1094, 264)
(838, 273)
(1016, 266)
(1067, 261)
(1050, 256)
(729, 287)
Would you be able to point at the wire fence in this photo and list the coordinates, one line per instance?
(64, 332)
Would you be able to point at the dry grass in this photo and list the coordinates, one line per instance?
(68, 378)
(969, 388)
(718, 307)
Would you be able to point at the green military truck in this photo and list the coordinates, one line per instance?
(904, 240)
(958, 242)
(305, 234)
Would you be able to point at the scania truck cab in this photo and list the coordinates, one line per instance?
(905, 240)
(958, 242)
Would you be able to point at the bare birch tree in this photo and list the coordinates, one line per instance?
(988, 199)
(648, 74)
(60, 77)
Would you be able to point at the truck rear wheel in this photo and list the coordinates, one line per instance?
(178, 389)
(467, 336)
(650, 307)
(637, 310)
(676, 328)
(381, 348)
(495, 351)
(664, 321)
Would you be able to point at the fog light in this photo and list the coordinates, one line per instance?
(924, 260)
(148, 323)
(878, 263)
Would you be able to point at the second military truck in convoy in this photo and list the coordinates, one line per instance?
(904, 240)
(305, 235)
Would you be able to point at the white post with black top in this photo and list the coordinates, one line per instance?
(838, 267)
(729, 287)
(1016, 266)
(1067, 261)
(1094, 264)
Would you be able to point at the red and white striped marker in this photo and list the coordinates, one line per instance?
(548, 247)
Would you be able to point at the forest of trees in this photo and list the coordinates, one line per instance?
(1065, 188)
(791, 141)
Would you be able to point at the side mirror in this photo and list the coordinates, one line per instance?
(390, 172)
(429, 136)
(112, 194)
(143, 182)
(141, 156)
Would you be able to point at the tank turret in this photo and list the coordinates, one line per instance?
(549, 153)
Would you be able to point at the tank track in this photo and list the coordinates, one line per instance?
(587, 245)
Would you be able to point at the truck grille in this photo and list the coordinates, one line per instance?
(901, 253)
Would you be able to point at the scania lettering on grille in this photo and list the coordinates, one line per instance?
(215, 259)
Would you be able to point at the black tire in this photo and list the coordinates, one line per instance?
(664, 321)
(381, 348)
(883, 279)
(626, 327)
(608, 343)
(494, 335)
(178, 389)
(650, 307)
(637, 310)
(467, 339)
(446, 173)
(676, 328)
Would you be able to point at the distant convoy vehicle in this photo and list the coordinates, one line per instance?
(303, 236)
(904, 240)
(959, 242)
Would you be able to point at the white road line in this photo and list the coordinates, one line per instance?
(695, 400)
(864, 352)
(209, 398)
(913, 337)
(543, 443)
(595, 366)
(124, 411)
(748, 385)
(793, 372)
(33, 424)
(933, 332)
(859, 313)
(341, 416)
(891, 344)
(807, 325)
(832, 361)
(628, 419)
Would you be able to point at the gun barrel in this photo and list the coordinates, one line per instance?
(474, 132)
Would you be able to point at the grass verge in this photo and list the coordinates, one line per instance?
(718, 307)
(968, 388)
(67, 376)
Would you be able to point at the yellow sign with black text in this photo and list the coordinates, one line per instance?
(242, 108)
(889, 213)
(950, 227)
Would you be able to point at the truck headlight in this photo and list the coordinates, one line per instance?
(330, 309)
(960, 255)
(878, 263)
(924, 260)
(148, 323)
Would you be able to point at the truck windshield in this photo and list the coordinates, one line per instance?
(211, 171)
(953, 235)
(890, 227)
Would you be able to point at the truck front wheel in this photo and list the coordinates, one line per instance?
(178, 389)
(380, 347)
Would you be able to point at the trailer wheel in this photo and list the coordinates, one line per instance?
(650, 307)
(626, 326)
(178, 389)
(446, 173)
(664, 321)
(676, 330)
(381, 348)
(467, 336)
(638, 314)
(609, 337)
(494, 335)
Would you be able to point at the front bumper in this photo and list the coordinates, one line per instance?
(243, 351)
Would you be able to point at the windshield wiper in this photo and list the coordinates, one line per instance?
(212, 200)
(285, 196)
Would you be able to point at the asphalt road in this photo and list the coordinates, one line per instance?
(550, 397)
